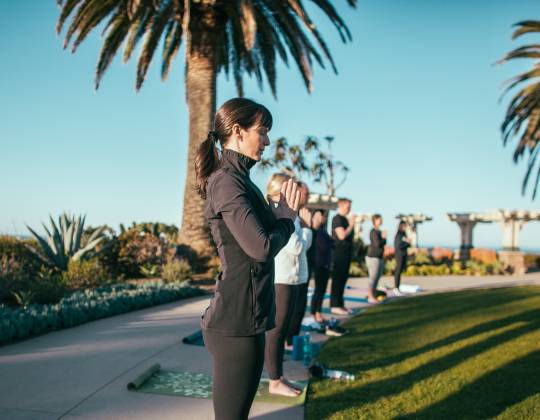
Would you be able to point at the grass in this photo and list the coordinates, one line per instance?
(464, 355)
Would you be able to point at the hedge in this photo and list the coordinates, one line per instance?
(87, 305)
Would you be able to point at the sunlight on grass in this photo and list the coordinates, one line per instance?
(469, 354)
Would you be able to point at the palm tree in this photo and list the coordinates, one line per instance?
(522, 118)
(325, 169)
(237, 36)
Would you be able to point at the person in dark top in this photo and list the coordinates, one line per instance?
(343, 235)
(375, 256)
(401, 244)
(323, 245)
(248, 232)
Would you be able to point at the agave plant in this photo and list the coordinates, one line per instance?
(64, 243)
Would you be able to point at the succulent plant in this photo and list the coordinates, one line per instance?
(64, 243)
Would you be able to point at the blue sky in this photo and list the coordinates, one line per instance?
(415, 112)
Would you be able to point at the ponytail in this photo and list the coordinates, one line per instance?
(241, 111)
(206, 161)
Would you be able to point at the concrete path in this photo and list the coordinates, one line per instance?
(82, 372)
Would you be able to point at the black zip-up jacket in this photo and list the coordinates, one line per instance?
(376, 247)
(400, 245)
(248, 236)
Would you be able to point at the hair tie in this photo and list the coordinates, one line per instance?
(213, 135)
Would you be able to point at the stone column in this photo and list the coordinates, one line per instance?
(466, 225)
(511, 228)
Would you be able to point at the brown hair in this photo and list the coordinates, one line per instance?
(244, 112)
(376, 216)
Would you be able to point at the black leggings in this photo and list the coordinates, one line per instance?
(340, 275)
(275, 338)
(401, 265)
(298, 311)
(238, 364)
(321, 282)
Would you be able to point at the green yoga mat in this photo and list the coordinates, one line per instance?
(199, 385)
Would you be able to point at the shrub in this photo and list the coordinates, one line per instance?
(439, 254)
(107, 251)
(13, 278)
(18, 249)
(484, 255)
(421, 257)
(390, 266)
(175, 270)
(358, 270)
(48, 286)
(532, 261)
(85, 274)
(197, 261)
(138, 249)
(160, 230)
(87, 305)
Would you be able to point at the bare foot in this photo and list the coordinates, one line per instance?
(372, 300)
(278, 387)
(319, 318)
(297, 387)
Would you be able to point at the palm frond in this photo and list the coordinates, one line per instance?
(522, 119)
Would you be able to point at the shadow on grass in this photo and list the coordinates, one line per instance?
(436, 307)
(510, 384)
(462, 335)
(395, 385)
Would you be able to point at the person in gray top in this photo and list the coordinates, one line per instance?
(248, 232)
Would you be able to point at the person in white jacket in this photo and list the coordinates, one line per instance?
(290, 271)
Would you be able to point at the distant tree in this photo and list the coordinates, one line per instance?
(325, 170)
(291, 159)
(307, 159)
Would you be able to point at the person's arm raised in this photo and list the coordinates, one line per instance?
(229, 198)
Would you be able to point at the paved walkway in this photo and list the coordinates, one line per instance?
(82, 372)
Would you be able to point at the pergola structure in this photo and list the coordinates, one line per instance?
(322, 201)
(511, 221)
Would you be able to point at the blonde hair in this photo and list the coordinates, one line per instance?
(275, 183)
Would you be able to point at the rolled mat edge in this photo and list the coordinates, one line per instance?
(193, 337)
(143, 377)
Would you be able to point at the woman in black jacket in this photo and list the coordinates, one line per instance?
(401, 244)
(248, 232)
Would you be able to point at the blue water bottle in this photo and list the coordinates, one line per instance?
(298, 347)
(307, 349)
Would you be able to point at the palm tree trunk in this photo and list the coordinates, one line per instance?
(201, 99)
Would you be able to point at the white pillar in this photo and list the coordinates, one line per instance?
(511, 230)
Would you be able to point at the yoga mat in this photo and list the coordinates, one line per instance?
(195, 339)
(143, 377)
(346, 298)
(199, 385)
(327, 311)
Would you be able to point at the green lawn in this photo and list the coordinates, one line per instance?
(464, 355)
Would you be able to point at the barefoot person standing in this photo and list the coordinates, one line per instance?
(291, 273)
(248, 233)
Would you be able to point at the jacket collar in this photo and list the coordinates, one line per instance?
(233, 159)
